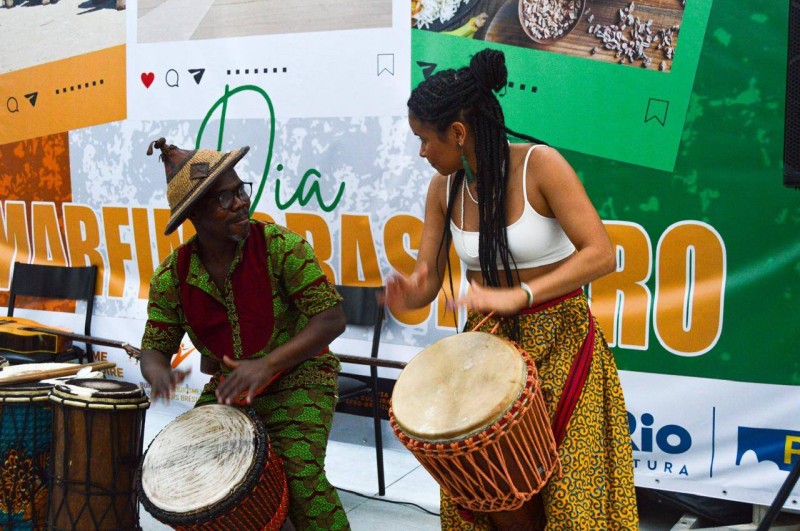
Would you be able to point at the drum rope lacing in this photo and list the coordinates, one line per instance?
(497, 493)
(494, 328)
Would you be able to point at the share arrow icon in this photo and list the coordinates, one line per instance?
(32, 98)
(427, 68)
(197, 73)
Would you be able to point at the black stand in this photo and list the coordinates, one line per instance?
(780, 499)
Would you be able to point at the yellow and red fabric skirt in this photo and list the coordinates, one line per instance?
(596, 488)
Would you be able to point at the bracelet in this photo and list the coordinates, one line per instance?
(527, 289)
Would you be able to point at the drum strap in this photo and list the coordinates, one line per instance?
(576, 378)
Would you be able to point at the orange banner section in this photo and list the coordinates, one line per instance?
(78, 92)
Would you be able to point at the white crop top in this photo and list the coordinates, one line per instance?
(534, 240)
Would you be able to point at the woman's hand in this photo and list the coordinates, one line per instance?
(504, 301)
(400, 288)
(249, 378)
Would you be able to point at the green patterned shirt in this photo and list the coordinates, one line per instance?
(274, 285)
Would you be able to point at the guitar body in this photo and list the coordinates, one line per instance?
(24, 336)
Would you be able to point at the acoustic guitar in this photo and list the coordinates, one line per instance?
(29, 337)
(16, 336)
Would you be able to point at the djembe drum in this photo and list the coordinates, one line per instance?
(470, 409)
(97, 444)
(26, 422)
(213, 468)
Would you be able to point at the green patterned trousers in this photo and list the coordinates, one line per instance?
(297, 411)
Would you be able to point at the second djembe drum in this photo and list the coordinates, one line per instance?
(97, 444)
(470, 409)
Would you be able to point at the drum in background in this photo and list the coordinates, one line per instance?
(26, 423)
(97, 444)
(470, 409)
(213, 468)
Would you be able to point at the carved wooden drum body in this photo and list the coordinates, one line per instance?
(97, 444)
(470, 409)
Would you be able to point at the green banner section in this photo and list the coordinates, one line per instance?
(619, 91)
(709, 254)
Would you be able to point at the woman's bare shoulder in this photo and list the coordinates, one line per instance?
(439, 184)
(539, 151)
(547, 161)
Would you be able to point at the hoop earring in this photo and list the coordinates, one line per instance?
(467, 168)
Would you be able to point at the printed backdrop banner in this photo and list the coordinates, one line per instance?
(671, 114)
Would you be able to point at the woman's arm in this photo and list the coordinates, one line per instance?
(422, 285)
(251, 375)
(566, 199)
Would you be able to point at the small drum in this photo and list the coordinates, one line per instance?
(97, 445)
(213, 468)
(470, 409)
(26, 433)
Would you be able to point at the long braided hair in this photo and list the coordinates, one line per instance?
(467, 95)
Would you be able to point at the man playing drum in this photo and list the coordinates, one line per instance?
(251, 295)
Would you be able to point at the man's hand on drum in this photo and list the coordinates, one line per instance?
(163, 383)
(504, 301)
(248, 376)
(163, 380)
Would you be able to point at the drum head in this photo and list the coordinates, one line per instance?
(101, 388)
(199, 459)
(458, 386)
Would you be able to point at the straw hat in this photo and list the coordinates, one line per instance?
(190, 174)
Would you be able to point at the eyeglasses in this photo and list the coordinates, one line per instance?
(225, 198)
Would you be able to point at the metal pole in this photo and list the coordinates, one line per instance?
(780, 499)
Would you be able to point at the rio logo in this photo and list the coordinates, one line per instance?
(669, 439)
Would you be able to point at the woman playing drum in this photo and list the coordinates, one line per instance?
(522, 223)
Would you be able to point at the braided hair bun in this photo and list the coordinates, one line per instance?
(489, 69)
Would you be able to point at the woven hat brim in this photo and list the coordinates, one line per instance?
(178, 215)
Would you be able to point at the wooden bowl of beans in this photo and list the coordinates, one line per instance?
(548, 21)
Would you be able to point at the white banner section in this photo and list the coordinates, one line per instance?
(715, 438)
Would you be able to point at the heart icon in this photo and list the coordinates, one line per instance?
(147, 78)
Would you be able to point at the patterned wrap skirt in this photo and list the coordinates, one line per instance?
(596, 489)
